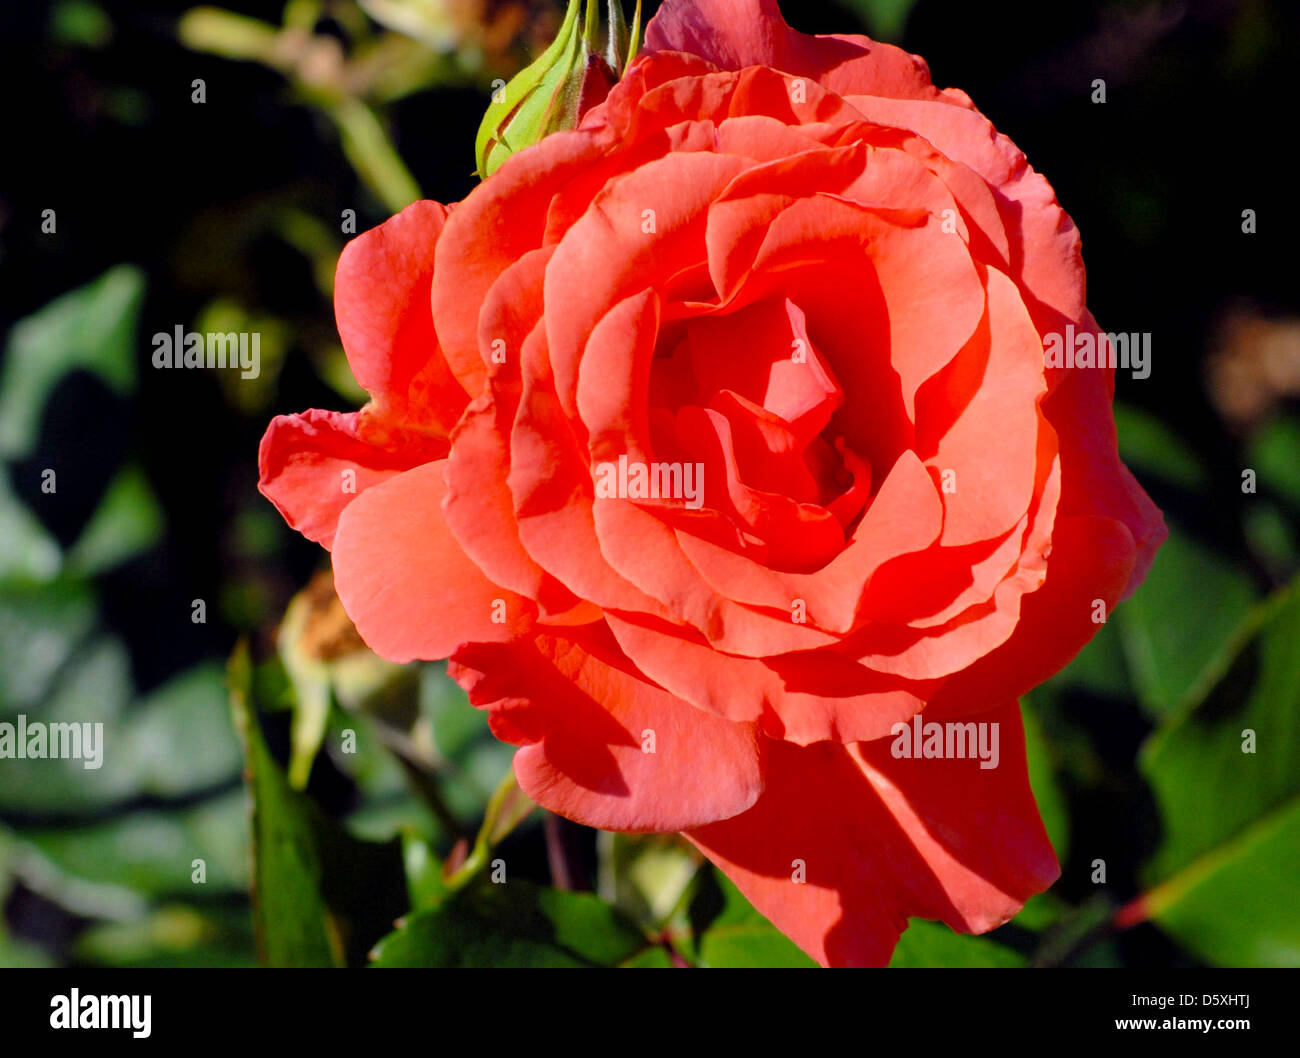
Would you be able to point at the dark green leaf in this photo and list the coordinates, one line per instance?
(731, 933)
(516, 924)
(1181, 619)
(320, 897)
(1226, 776)
(92, 328)
(925, 944)
(127, 522)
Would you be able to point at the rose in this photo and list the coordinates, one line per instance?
(795, 263)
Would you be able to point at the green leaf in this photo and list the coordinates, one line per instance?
(41, 625)
(1150, 448)
(474, 758)
(656, 958)
(171, 937)
(1180, 621)
(27, 551)
(731, 933)
(93, 688)
(1042, 780)
(387, 803)
(932, 944)
(1271, 519)
(93, 328)
(179, 739)
(146, 854)
(128, 521)
(320, 897)
(1041, 911)
(1272, 455)
(645, 875)
(1230, 802)
(884, 18)
(515, 924)
(424, 871)
(175, 743)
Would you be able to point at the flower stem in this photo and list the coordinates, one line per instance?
(504, 812)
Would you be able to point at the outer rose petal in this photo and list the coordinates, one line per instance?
(582, 714)
(736, 33)
(498, 222)
(1092, 558)
(1096, 482)
(883, 840)
(302, 460)
(381, 303)
(405, 582)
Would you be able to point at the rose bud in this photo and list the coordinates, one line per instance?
(554, 92)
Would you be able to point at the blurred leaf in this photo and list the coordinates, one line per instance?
(424, 872)
(387, 804)
(150, 853)
(1071, 939)
(94, 687)
(932, 944)
(1100, 667)
(475, 759)
(179, 739)
(1272, 538)
(1149, 447)
(40, 627)
(655, 958)
(172, 937)
(1231, 818)
(175, 743)
(1272, 516)
(80, 23)
(1041, 911)
(127, 522)
(320, 897)
(513, 924)
(1236, 906)
(885, 19)
(730, 933)
(92, 328)
(1042, 780)
(1272, 455)
(645, 875)
(229, 35)
(434, 24)
(1180, 619)
(16, 954)
(27, 551)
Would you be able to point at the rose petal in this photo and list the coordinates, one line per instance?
(881, 840)
(313, 465)
(603, 747)
(381, 304)
(406, 583)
